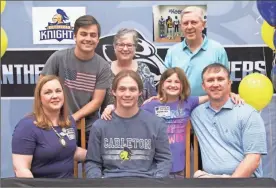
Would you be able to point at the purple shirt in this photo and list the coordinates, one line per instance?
(176, 115)
(50, 158)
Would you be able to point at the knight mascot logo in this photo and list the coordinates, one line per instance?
(60, 28)
(125, 155)
(145, 52)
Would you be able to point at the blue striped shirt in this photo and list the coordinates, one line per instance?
(227, 135)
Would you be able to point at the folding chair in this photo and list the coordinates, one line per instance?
(188, 151)
(81, 127)
(195, 153)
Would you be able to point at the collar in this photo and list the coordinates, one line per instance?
(203, 45)
(228, 105)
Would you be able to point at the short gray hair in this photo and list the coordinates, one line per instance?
(195, 9)
(122, 32)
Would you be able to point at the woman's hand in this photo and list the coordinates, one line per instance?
(80, 154)
(106, 115)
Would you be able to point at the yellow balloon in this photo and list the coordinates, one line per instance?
(268, 35)
(4, 41)
(3, 4)
(257, 90)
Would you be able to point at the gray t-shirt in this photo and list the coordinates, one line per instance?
(129, 147)
(80, 78)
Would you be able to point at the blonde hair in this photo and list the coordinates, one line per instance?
(195, 9)
(185, 91)
(41, 120)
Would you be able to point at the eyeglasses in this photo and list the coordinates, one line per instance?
(122, 45)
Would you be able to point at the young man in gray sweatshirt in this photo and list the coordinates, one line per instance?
(134, 143)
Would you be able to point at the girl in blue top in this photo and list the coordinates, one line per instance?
(175, 106)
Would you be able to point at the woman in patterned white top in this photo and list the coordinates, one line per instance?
(125, 43)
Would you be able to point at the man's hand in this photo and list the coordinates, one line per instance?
(203, 174)
(247, 166)
(75, 117)
(106, 115)
(91, 106)
(150, 99)
(236, 99)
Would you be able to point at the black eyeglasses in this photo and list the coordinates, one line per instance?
(122, 45)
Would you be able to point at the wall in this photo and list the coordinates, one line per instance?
(156, 18)
(230, 23)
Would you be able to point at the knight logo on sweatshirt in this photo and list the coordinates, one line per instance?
(125, 155)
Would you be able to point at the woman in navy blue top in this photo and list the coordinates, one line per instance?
(44, 142)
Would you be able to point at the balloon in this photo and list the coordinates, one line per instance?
(3, 4)
(273, 76)
(274, 40)
(4, 41)
(256, 89)
(267, 10)
(268, 33)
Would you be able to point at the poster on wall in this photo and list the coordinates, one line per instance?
(20, 69)
(167, 22)
(55, 25)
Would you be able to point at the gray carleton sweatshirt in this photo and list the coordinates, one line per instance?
(129, 147)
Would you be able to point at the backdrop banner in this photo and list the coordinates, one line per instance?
(20, 69)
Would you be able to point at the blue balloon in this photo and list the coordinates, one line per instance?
(273, 76)
(267, 10)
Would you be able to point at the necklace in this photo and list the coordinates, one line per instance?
(61, 138)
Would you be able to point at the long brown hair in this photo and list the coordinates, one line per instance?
(185, 91)
(41, 120)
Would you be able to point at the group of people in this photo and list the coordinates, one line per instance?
(172, 27)
(132, 129)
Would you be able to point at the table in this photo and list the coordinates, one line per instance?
(139, 182)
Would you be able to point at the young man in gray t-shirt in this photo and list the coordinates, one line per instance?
(134, 143)
(84, 73)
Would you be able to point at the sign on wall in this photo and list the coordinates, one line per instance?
(167, 22)
(55, 25)
(20, 69)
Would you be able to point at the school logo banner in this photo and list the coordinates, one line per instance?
(55, 25)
